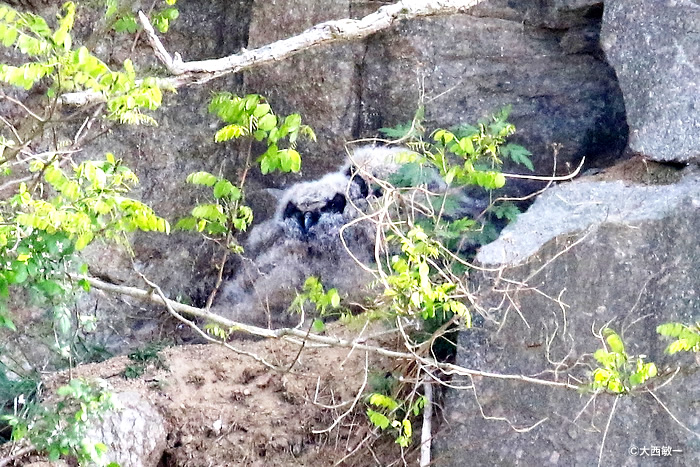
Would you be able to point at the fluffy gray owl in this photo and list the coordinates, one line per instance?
(304, 239)
(301, 240)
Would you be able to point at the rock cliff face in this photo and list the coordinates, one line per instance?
(542, 60)
(654, 49)
(585, 255)
(591, 254)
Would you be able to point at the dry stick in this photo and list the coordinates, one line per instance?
(607, 427)
(13, 457)
(287, 333)
(179, 317)
(354, 402)
(329, 32)
(426, 431)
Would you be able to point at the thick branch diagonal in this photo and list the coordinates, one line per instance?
(343, 30)
(320, 34)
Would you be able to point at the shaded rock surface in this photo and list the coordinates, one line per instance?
(541, 58)
(654, 47)
(586, 255)
(543, 61)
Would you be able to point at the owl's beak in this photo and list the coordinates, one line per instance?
(308, 221)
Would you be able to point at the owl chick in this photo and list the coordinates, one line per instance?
(301, 240)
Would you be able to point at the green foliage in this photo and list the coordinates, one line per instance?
(252, 117)
(395, 414)
(41, 229)
(52, 57)
(217, 331)
(479, 152)
(324, 302)
(224, 217)
(142, 358)
(423, 278)
(89, 202)
(122, 14)
(415, 287)
(18, 392)
(61, 429)
(687, 338)
(410, 131)
(618, 373)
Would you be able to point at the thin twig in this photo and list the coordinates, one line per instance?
(426, 430)
(354, 402)
(13, 457)
(287, 333)
(675, 419)
(203, 334)
(607, 427)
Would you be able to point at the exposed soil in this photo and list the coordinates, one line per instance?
(641, 171)
(227, 409)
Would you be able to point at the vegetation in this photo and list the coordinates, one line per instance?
(687, 337)
(618, 373)
(61, 205)
(61, 429)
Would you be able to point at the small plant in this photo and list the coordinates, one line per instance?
(430, 237)
(324, 302)
(251, 117)
(414, 287)
(53, 59)
(121, 15)
(45, 225)
(142, 358)
(687, 337)
(618, 373)
(62, 429)
(224, 218)
(395, 414)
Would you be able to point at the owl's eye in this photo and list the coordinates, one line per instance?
(351, 173)
(291, 211)
(336, 205)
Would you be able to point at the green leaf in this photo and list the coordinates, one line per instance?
(380, 400)
(261, 110)
(230, 132)
(614, 341)
(9, 37)
(202, 178)
(290, 160)
(83, 240)
(267, 122)
(127, 24)
(318, 326)
(225, 188)
(186, 223)
(518, 154)
(379, 420)
(50, 288)
(335, 298)
(210, 212)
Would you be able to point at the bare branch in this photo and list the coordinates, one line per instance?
(295, 334)
(158, 47)
(329, 32)
(426, 430)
